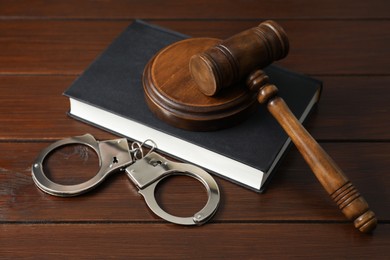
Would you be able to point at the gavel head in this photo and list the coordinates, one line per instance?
(233, 59)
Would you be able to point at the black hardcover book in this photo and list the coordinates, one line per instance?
(109, 95)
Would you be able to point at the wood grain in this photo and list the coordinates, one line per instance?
(198, 9)
(41, 109)
(332, 178)
(53, 47)
(347, 111)
(233, 59)
(186, 107)
(46, 44)
(230, 241)
(293, 187)
(318, 47)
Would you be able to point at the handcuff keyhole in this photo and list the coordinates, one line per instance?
(155, 163)
(115, 160)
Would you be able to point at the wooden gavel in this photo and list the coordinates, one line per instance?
(240, 57)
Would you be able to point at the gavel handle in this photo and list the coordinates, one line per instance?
(340, 189)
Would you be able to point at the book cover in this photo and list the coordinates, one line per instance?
(109, 95)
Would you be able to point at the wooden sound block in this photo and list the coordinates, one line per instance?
(174, 97)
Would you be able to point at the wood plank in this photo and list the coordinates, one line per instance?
(42, 47)
(317, 47)
(199, 9)
(32, 107)
(294, 193)
(230, 241)
(352, 108)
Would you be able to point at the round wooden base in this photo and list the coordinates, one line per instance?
(174, 97)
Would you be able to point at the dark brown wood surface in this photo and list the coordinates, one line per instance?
(45, 45)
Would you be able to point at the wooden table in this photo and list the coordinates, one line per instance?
(45, 45)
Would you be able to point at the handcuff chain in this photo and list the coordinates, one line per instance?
(137, 148)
